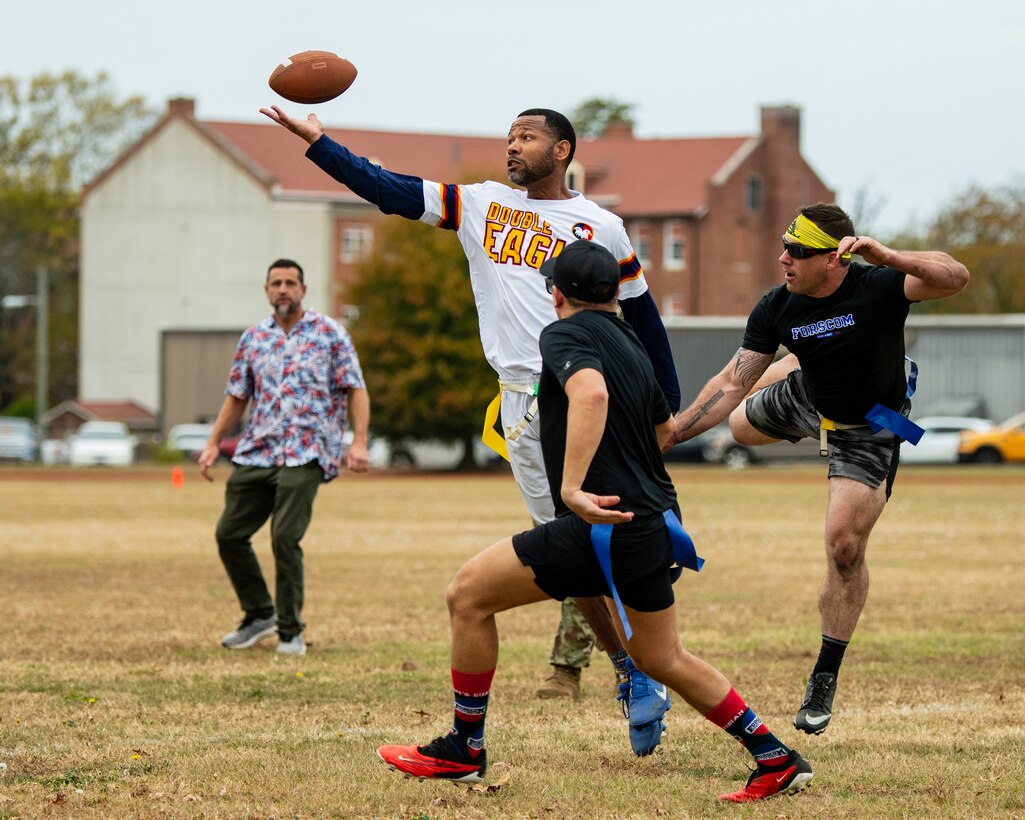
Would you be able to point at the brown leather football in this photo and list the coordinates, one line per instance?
(312, 77)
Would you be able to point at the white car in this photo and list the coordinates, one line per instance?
(425, 455)
(189, 439)
(941, 438)
(101, 442)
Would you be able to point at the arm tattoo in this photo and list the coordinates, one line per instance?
(703, 411)
(749, 366)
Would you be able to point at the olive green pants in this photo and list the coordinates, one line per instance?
(285, 496)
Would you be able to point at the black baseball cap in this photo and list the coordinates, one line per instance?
(585, 271)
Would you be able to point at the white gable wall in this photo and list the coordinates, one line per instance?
(180, 237)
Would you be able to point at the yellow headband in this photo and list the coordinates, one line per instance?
(807, 233)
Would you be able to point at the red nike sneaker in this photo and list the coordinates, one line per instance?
(789, 778)
(439, 759)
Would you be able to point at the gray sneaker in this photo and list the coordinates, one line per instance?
(293, 646)
(249, 632)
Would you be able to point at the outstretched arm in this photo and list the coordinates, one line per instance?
(721, 395)
(929, 274)
(393, 193)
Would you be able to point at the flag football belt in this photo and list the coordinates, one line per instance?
(879, 418)
(490, 436)
(684, 555)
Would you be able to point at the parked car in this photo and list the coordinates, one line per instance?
(423, 454)
(18, 439)
(722, 447)
(101, 442)
(189, 439)
(695, 449)
(1005, 442)
(941, 439)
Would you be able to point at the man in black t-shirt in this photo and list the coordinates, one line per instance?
(843, 324)
(617, 534)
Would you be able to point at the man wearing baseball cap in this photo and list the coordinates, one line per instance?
(616, 534)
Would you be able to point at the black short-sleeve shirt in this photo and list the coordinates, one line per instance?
(628, 462)
(850, 344)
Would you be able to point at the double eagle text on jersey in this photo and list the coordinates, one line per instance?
(506, 236)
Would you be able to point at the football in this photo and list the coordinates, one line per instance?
(312, 77)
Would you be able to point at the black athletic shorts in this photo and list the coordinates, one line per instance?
(565, 565)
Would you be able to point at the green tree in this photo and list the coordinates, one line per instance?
(56, 133)
(985, 230)
(418, 339)
(593, 116)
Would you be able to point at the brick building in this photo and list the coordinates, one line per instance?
(177, 233)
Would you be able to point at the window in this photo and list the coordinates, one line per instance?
(575, 176)
(672, 305)
(674, 245)
(640, 238)
(755, 193)
(355, 243)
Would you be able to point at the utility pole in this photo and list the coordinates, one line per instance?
(42, 342)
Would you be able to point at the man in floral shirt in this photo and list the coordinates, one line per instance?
(302, 374)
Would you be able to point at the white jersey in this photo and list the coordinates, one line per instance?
(506, 237)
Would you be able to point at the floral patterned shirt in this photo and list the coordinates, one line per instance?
(298, 385)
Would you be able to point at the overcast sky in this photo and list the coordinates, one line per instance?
(910, 101)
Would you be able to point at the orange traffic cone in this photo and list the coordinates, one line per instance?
(177, 477)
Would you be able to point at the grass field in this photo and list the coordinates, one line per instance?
(117, 701)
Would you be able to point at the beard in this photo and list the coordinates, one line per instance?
(285, 309)
(527, 174)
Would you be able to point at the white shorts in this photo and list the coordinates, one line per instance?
(528, 466)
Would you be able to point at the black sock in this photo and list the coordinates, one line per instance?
(830, 656)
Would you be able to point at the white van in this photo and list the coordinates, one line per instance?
(18, 439)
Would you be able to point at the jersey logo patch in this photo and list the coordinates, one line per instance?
(583, 231)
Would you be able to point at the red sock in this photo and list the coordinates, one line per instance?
(736, 717)
(471, 695)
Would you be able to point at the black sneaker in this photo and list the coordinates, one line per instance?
(790, 778)
(817, 709)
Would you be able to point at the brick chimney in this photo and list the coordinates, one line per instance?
(182, 107)
(619, 130)
(782, 122)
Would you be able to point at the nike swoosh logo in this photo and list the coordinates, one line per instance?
(781, 778)
(815, 721)
(661, 692)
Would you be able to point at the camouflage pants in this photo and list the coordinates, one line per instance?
(574, 640)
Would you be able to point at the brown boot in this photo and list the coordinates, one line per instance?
(564, 682)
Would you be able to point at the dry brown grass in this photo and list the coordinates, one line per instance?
(116, 700)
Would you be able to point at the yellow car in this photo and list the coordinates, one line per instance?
(1005, 442)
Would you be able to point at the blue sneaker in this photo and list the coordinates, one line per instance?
(644, 701)
(644, 739)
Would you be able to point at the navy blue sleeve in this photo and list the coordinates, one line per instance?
(642, 315)
(392, 193)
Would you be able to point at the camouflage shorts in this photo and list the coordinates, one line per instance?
(783, 410)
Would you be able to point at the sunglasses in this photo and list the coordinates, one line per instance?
(548, 283)
(803, 251)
